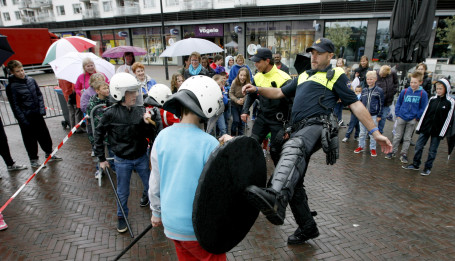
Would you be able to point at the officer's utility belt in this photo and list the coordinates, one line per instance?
(317, 120)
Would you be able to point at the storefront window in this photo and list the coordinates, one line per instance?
(231, 39)
(348, 38)
(211, 32)
(381, 43)
(441, 47)
(151, 40)
(98, 48)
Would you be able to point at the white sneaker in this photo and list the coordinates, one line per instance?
(93, 154)
(344, 140)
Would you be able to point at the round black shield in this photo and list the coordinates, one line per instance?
(221, 214)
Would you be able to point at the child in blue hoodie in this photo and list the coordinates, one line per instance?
(373, 99)
(409, 108)
(178, 156)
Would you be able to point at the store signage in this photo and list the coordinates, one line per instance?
(209, 30)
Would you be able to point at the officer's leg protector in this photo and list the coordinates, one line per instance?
(272, 201)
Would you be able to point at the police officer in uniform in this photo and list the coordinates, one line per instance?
(316, 92)
(272, 114)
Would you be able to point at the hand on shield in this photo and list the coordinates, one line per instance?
(223, 139)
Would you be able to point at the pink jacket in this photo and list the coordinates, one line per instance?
(83, 82)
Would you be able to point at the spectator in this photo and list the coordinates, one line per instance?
(338, 110)
(205, 65)
(217, 64)
(228, 63)
(90, 91)
(240, 63)
(27, 104)
(176, 82)
(126, 125)
(195, 67)
(129, 59)
(237, 98)
(434, 124)
(388, 82)
(177, 166)
(102, 97)
(279, 64)
(373, 99)
(146, 82)
(340, 63)
(4, 151)
(186, 64)
(221, 123)
(408, 110)
(426, 84)
(354, 122)
(70, 96)
(362, 70)
(156, 98)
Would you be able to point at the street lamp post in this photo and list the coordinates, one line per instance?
(163, 40)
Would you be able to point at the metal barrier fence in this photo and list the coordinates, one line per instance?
(50, 97)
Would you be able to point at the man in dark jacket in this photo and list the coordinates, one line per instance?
(27, 104)
(388, 82)
(126, 125)
(279, 64)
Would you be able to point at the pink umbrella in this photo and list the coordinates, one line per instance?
(119, 51)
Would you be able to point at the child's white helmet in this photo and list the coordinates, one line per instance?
(160, 93)
(122, 82)
(200, 94)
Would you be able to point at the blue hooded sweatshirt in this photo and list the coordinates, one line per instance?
(411, 104)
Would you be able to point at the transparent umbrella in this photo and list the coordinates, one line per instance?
(187, 46)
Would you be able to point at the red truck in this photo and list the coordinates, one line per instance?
(29, 45)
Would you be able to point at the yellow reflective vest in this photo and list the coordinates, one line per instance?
(320, 77)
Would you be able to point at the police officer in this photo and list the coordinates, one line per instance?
(272, 113)
(316, 92)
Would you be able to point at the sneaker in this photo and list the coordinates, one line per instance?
(390, 155)
(300, 237)
(36, 164)
(122, 227)
(344, 140)
(144, 200)
(16, 167)
(411, 167)
(98, 174)
(342, 125)
(425, 172)
(93, 154)
(373, 153)
(3, 224)
(404, 158)
(54, 158)
(358, 150)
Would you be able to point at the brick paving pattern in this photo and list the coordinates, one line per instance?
(368, 209)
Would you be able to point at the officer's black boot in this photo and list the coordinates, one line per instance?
(269, 202)
(303, 217)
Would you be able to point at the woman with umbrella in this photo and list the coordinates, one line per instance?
(83, 83)
(129, 59)
(195, 67)
(143, 79)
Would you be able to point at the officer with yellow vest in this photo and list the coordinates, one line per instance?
(316, 92)
(273, 113)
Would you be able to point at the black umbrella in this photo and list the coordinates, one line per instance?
(302, 62)
(420, 34)
(5, 49)
(400, 23)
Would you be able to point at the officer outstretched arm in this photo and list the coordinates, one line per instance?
(271, 93)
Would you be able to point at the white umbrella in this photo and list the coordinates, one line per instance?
(69, 66)
(232, 44)
(187, 46)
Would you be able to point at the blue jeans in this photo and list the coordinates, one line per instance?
(227, 114)
(338, 110)
(385, 112)
(434, 144)
(124, 169)
(363, 135)
(221, 125)
(353, 123)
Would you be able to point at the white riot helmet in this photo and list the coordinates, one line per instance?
(160, 93)
(122, 82)
(200, 94)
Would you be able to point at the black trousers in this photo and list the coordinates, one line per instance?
(4, 148)
(262, 126)
(33, 133)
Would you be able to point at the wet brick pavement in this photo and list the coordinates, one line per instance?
(368, 209)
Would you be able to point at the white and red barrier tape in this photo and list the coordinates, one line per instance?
(73, 130)
(52, 109)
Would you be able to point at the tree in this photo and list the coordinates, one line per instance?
(447, 34)
(339, 35)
